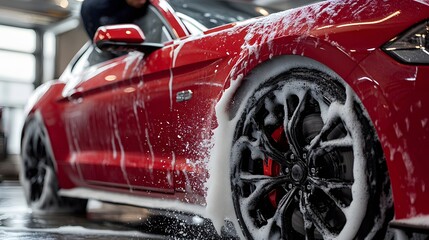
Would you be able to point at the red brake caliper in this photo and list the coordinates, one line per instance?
(272, 168)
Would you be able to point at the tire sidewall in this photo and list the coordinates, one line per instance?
(49, 195)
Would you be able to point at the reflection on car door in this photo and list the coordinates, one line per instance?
(111, 132)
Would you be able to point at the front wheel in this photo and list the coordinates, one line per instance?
(38, 175)
(306, 163)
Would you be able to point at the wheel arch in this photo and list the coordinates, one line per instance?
(270, 69)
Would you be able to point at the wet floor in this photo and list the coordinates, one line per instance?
(102, 221)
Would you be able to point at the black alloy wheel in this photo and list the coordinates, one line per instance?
(306, 163)
(38, 175)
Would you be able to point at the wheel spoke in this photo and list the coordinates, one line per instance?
(309, 227)
(34, 145)
(330, 145)
(309, 230)
(313, 220)
(308, 221)
(333, 132)
(327, 186)
(264, 185)
(255, 179)
(30, 162)
(261, 148)
(333, 159)
(283, 206)
(338, 143)
(273, 117)
(292, 125)
(327, 127)
(278, 218)
(265, 143)
(36, 162)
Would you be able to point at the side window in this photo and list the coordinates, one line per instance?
(154, 28)
(82, 60)
(90, 57)
(193, 26)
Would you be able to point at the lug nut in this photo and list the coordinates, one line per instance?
(308, 187)
(286, 170)
(313, 170)
(289, 185)
(304, 155)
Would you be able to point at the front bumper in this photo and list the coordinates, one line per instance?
(396, 97)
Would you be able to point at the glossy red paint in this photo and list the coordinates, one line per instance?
(396, 98)
(120, 128)
(130, 33)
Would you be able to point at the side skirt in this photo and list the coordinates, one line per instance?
(418, 224)
(128, 199)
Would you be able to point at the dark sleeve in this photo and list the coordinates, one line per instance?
(96, 13)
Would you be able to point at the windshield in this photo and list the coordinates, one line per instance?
(205, 14)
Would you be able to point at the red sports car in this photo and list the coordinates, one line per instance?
(310, 123)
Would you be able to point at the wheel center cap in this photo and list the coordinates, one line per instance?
(298, 173)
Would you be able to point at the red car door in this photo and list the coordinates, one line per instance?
(194, 88)
(110, 130)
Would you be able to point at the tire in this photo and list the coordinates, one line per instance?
(306, 162)
(38, 174)
(3, 146)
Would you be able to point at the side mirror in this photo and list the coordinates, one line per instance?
(123, 37)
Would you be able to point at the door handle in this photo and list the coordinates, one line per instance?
(184, 96)
(76, 95)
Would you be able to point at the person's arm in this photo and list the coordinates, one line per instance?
(96, 13)
(136, 3)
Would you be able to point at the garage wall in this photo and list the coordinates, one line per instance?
(18, 57)
(68, 43)
(21, 78)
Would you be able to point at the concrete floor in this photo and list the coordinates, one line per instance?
(102, 220)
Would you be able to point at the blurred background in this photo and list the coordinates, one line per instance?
(37, 40)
